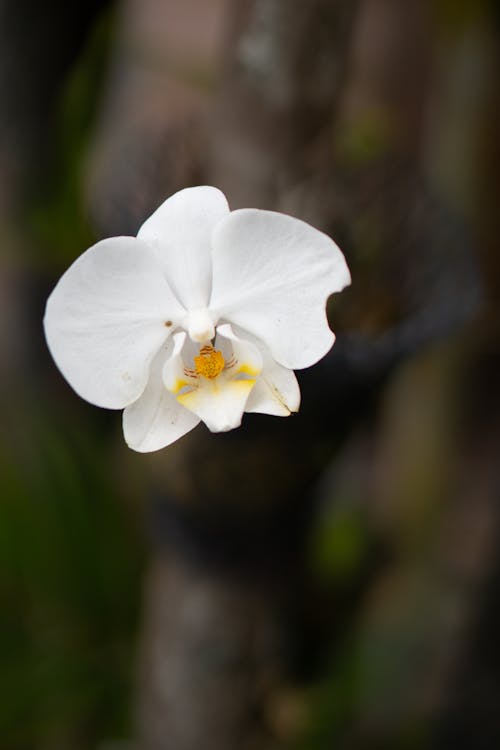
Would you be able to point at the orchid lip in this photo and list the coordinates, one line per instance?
(218, 383)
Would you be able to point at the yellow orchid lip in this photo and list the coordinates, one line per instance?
(246, 369)
(216, 386)
(208, 365)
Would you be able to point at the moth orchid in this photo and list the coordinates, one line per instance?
(201, 317)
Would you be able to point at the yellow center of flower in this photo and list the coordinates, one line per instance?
(209, 362)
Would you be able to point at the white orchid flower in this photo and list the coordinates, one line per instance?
(201, 317)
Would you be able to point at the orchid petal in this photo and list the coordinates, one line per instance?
(276, 391)
(245, 355)
(272, 275)
(220, 404)
(174, 374)
(180, 230)
(156, 419)
(107, 317)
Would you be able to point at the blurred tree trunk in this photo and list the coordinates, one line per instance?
(318, 109)
(234, 510)
(213, 664)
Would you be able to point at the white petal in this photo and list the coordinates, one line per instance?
(276, 391)
(245, 354)
(173, 375)
(219, 403)
(272, 275)
(107, 317)
(156, 419)
(180, 229)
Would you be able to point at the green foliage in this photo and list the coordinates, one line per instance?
(339, 545)
(454, 16)
(69, 560)
(332, 706)
(365, 138)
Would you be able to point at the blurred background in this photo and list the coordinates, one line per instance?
(326, 581)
